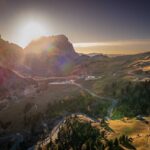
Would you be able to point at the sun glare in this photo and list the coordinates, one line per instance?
(30, 31)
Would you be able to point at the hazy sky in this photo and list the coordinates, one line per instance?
(109, 26)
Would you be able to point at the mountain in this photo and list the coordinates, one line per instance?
(12, 82)
(53, 55)
(93, 134)
(10, 54)
(46, 56)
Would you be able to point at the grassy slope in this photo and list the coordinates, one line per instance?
(136, 129)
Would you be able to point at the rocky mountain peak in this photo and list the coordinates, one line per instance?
(56, 45)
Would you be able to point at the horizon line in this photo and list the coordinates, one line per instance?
(112, 43)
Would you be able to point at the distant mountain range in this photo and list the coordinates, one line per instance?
(55, 56)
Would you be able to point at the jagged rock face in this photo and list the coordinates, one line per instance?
(10, 54)
(52, 55)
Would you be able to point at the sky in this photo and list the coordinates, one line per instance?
(93, 26)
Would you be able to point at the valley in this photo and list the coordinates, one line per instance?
(40, 90)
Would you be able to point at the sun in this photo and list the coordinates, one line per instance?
(30, 31)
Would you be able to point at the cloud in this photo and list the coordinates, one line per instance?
(113, 43)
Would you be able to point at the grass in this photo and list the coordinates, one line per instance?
(135, 129)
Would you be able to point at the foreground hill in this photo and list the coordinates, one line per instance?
(79, 131)
(136, 130)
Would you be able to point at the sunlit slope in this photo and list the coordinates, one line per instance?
(138, 130)
(10, 54)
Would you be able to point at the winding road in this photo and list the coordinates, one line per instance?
(54, 132)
